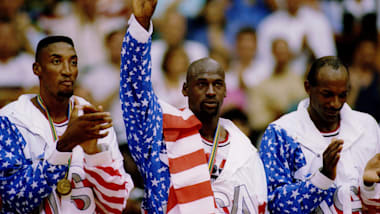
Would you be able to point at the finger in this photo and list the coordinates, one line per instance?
(99, 135)
(334, 145)
(100, 108)
(100, 127)
(335, 160)
(102, 116)
(332, 154)
(337, 141)
(87, 109)
(74, 113)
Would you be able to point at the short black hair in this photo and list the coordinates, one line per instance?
(43, 43)
(246, 29)
(332, 61)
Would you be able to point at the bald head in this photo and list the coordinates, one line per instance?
(204, 65)
(205, 88)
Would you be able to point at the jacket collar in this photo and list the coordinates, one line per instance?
(310, 137)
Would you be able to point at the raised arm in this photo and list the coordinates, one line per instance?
(24, 184)
(282, 157)
(142, 113)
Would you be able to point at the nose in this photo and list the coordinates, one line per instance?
(66, 69)
(335, 102)
(210, 90)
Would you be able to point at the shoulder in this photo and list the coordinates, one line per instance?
(358, 118)
(236, 133)
(20, 105)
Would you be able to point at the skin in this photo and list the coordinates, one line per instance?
(282, 55)
(326, 101)
(246, 47)
(56, 68)
(206, 89)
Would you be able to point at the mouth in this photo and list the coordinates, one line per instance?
(332, 113)
(67, 83)
(210, 104)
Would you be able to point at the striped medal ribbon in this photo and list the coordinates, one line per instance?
(215, 144)
(63, 185)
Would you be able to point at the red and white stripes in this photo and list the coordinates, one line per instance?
(110, 188)
(190, 190)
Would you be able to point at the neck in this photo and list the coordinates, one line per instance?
(209, 127)
(244, 63)
(279, 69)
(57, 107)
(323, 126)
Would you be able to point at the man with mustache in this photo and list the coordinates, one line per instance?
(324, 157)
(58, 153)
(171, 147)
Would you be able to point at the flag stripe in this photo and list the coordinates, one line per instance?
(101, 181)
(193, 192)
(190, 176)
(104, 190)
(188, 161)
(112, 199)
(183, 146)
(109, 170)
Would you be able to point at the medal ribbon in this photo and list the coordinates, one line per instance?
(61, 183)
(52, 127)
(211, 159)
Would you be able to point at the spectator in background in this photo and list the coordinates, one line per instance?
(174, 67)
(244, 13)
(247, 70)
(10, 11)
(279, 93)
(209, 27)
(365, 79)
(82, 21)
(241, 120)
(188, 9)
(106, 76)
(303, 28)
(172, 29)
(359, 21)
(16, 74)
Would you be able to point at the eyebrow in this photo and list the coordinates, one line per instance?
(57, 55)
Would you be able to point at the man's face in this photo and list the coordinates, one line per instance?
(206, 90)
(57, 69)
(365, 54)
(329, 95)
(246, 46)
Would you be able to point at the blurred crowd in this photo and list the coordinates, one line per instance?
(265, 47)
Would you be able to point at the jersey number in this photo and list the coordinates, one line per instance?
(242, 202)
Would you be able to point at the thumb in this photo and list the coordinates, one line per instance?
(74, 113)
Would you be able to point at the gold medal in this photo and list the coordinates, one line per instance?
(64, 186)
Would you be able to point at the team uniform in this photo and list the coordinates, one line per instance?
(170, 153)
(292, 150)
(31, 167)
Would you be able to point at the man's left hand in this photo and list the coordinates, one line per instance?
(372, 171)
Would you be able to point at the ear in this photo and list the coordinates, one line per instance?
(37, 69)
(184, 89)
(307, 86)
